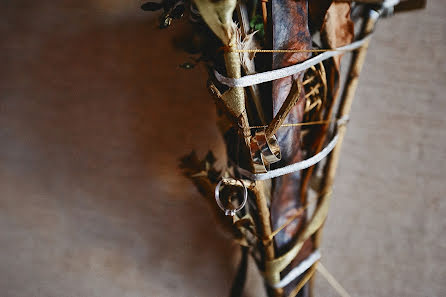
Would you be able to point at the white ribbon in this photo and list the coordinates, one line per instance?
(298, 165)
(292, 167)
(258, 78)
(298, 270)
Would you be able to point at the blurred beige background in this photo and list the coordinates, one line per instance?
(95, 112)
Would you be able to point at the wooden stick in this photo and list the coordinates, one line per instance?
(285, 109)
(248, 64)
(264, 14)
(347, 100)
(265, 223)
(344, 109)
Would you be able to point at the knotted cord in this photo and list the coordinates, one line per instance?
(321, 122)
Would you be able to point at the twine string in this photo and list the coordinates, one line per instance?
(258, 78)
(297, 124)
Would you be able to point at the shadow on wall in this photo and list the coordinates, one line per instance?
(95, 114)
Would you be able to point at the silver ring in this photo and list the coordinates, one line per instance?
(230, 212)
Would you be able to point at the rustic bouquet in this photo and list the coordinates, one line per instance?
(274, 73)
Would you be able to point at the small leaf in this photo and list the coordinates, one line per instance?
(257, 25)
(151, 6)
(177, 12)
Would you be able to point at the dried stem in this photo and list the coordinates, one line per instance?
(261, 190)
(344, 110)
(248, 61)
(346, 103)
(289, 103)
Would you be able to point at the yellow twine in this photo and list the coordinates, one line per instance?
(297, 124)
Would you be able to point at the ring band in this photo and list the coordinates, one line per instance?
(230, 212)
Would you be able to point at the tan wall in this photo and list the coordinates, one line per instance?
(94, 114)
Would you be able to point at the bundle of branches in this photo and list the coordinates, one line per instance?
(274, 72)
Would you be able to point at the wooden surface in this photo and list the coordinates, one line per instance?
(95, 112)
